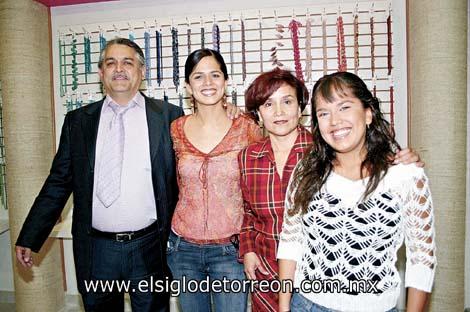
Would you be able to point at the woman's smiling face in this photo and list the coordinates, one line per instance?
(343, 122)
(207, 82)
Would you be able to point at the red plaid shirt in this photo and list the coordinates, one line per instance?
(264, 194)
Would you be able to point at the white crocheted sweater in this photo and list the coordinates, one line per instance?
(346, 250)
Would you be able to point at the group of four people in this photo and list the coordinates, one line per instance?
(348, 208)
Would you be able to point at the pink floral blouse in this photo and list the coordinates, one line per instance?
(210, 204)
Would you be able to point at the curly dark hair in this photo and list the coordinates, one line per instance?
(316, 166)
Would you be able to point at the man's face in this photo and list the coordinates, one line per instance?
(121, 72)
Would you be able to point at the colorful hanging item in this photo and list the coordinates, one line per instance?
(202, 35)
(102, 40)
(389, 43)
(234, 93)
(215, 37)
(324, 46)
(68, 103)
(392, 103)
(159, 48)
(260, 23)
(340, 47)
(294, 29)
(87, 54)
(356, 41)
(165, 95)
(74, 63)
(277, 44)
(180, 99)
(389, 67)
(372, 49)
(231, 47)
(308, 49)
(62, 67)
(131, 32)
(78, 100)
(243, 39)
(176, 64)
(188, 38)
(148, 58)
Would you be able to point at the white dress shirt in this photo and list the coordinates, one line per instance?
(135, 208)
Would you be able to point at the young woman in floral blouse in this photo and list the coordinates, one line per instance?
(209, 211)
(277, 98)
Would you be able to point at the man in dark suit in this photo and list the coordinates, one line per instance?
(117, 159)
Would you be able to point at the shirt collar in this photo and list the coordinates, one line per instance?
(304, 139)
(138, 99)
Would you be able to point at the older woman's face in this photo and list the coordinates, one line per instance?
(281, 112)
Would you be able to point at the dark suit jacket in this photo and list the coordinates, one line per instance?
(72, 172)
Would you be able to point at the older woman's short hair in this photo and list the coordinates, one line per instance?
(267, 83)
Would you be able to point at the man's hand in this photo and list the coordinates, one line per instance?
(252, 263)
(233, 111)
(23, 254)
(408, 156)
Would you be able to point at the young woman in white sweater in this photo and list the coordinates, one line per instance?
(348, 211)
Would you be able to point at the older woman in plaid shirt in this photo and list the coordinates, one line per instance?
(277, 98)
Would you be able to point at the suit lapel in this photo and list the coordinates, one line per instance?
(155, 127)
(90, 124)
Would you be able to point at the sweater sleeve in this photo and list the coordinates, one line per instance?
(291, 238)
(419, 234)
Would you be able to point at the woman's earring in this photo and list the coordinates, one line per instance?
(224, 101)
(259, 118)
(192, 100)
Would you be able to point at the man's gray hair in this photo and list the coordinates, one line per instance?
(126, 42)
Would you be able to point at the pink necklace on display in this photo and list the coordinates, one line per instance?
(294, 29)
(188, 36)
(356, 41)
(308, 48)
(340, 48)
(372, 49)
(260, 24)
(243, 39)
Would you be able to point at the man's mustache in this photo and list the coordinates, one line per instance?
(120, 76)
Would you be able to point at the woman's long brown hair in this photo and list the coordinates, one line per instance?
(314, 169)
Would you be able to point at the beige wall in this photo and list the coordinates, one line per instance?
(437, 50)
